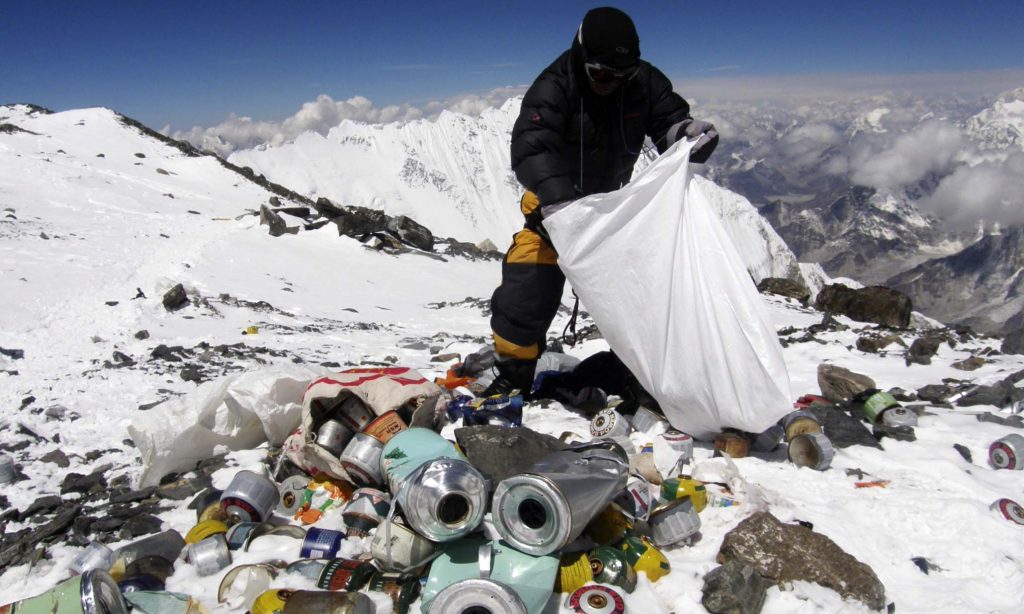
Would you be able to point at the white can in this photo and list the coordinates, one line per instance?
(609, 423)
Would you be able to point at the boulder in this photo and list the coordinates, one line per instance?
(734, 588)
(972, 363)
(500, 452)
(873, 343)
(784, 287)
(839, 384)
(934, 393)
(411, 233)
(998, 395)
(175, 298)
(785, 553)
(328, 209)
(1013, 343)
(922, 350)
(876, 304)
(272, 220)
(359, 222)
(842, 428)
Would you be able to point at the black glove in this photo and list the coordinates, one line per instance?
(704, 132)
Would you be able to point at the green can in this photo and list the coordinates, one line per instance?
(402, 589)
(877, 403)
(93, 592)
(609, 566)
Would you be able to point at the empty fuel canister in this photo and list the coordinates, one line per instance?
(1007, 452)
(365, 511)
(1009, 509)
(609, 566)
(878, 403)
(685, 486)
(204, 529)
(674, 522)
(596, 599)
(345, 575)
(93, 592)
(643, 555)
(611, 424)
(250, 497)
(321, 543)
(573, 572)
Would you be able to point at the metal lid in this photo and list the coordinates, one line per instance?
(477, 595)
(447, 500)
(100, 594)
(531, 514)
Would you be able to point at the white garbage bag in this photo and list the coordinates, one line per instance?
(656, 270)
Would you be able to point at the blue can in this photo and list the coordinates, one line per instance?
(321, 543)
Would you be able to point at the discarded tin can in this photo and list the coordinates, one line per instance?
(156, 566)
(812, 450)
(636, 499)
(610, 423)
(442, 496)
(321, 544)
(207, 505)
(365, 511)
(210, 555)
(310, 569)
(271, 602)
(477, 595)
(529, 577)
(733, 444)
(1009, 509)
(93, 592)
(596, 599)
(800, 423)
(252, 330)
(361, 459)
(643, 555)
(333, 436)
(385, 426)
(293, 495)
(354, 413)
(573, 572)
(609, 526)
(141, 582)
(238, 535)
(768, 440)
(647, 421)
(95, 556)
(878, 403)
(610, 567)
(168, 545)
(685, 486)
(243, 584)
(7, 470)
(899, 416)
(402, 589)
(541, 511)
(1007, 452)
(249, 497)
(345, 575)
(396, 547)
(266, 528)
(681, 443)
(202, 530)
(328, 602)
(673, 522)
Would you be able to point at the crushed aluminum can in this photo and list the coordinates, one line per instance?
(243, 584)
(899, 416)
(573, 572)
(365, 511)
(647, 421)
(386, 426)
(541, 511)
(250, 497)
(354, 413)
(477, 595)
(238, 535)
(202, 530)
(345, 575)
(610, 567)
(878, 403)
(596, 599)
(685, 486)
(168, 545)
(674, 522)
(7, 470)
(643, 555)
(396, 547)
(1007, 452)
(361, 459)
(1009, 509)
(321, 543)
(210, 555)
(402, 589)
(609, 526)
(293, 495)
(95, 556)
(611, 424)
(93, 592)
(800, 422)
(769, 439)
(333, 436)
(681, 443)
(636, 499)
(812, 450)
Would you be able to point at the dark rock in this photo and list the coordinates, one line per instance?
(925, 565)
(76, 482)
(149, 406)
(828, 323)
(112, 303)
(838, 384)
(192, 374)
(277, 225)
(785, 553)
(142, 334)
(997, 395)
(1013, 343)
(12, 354)
(15, 551)
(328, 209)
(964, 452)
(143, 524)
(42, 505)
(922, 350)
(899, 433)
(784, 287)
(875, 304)
(499, 452)
(873, 343)
(24, 430)
(15, 447)
(275, 201)
(316, 225)
(411, 232)
(133, 496)
(734, 588)
(161, 171)
(451, 247)
(300, 212)
(108, 524)
(934, 393)
(1015, 421)
(170, 354)
(27, 401)
(902, 395)
(360, 222)
(175, 298)
(841, 428)
(57, 412)
(57, 457)
(123, 359)
(179, 490)
(140, 155)
(972, 363)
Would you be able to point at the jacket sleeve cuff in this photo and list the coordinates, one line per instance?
(555, 190)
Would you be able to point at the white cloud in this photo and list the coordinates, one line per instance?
(808, 145)
(992, 191)
(931, 147)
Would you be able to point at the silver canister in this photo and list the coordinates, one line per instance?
(361, 459)
(673, 522)
(477, 595)
(681, 443)
(396, 547)
(333, 436)
(444, 499)
(812, 450)
(899, 416)
(7, 470)
(354, 413)
(95, 556)
(1007, 452)
(209, 555)
(611, 424)
(647, 421)
(250, 497)
(541, 511)
(168, 545)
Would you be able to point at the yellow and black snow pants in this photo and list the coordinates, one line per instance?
(530, 293)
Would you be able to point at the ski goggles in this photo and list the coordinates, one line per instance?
(599, 73)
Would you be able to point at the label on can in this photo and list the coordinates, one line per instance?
(877, 403)
(321, 543)
(595, 599)
(345, 575)
(573, 572)
(402, 589)
(385, 426)
(1010, 510)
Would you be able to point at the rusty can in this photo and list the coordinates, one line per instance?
(402, 589)
(812, 450)
(733, 444)
(345, 575)
(611, 424)
(321, 543)
(209, 555)
(800, 422)
(385, 426)
(250, 497)
(674, 522)
(328, 602)
(596, 599)
(1009, 509)
(365, 511)
(1007, 452)
(609, 566)
(361, 459)
(354, 413)
(333, 436)
(878, 403)
(573, 572)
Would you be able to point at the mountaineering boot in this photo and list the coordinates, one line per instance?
(513, 374)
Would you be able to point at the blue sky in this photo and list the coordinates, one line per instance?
(192, 63)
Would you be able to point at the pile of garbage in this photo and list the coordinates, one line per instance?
(374, 505)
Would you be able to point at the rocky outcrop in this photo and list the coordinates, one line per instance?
(875, 304)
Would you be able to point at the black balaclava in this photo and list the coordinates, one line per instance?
(609, 37)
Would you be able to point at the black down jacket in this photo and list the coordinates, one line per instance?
(561, 116)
